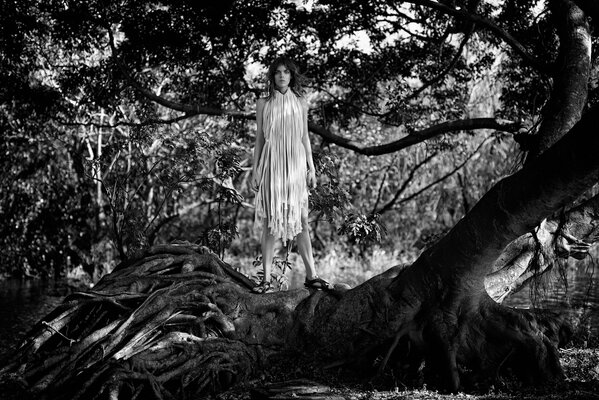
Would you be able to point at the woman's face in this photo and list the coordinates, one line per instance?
(282, 78)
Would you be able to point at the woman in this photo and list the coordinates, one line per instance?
(283, 169)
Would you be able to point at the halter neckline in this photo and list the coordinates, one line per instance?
(277, 93)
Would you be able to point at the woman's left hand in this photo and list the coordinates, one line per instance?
(311, 178)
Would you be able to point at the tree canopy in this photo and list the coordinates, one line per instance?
(137, 112)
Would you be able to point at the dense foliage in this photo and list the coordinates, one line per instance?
(130, 123)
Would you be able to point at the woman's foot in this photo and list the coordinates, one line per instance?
(317, 283)
(263, 287)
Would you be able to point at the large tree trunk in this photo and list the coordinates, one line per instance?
(571, 76)
(177, 322)
(535, 253)
(439, 304)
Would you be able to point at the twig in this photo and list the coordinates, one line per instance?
(433, 183)
(71, 341)
(404, 185)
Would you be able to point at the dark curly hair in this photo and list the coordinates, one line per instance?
(297, 79)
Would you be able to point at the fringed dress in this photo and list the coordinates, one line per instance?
(282, 191)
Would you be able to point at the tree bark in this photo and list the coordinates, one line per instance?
(439, 303)
(570, 78)
(537, 253)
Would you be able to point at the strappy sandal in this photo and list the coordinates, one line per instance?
(263, 287)
(317, 283)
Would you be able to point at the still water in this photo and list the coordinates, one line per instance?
(24, 302)
(576, 292)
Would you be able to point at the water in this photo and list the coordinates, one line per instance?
(577, 293)
(22, 304)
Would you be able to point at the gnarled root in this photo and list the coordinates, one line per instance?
(480, 342)
(172, 324)
(518, 340)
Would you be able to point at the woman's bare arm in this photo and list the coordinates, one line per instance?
(259, 143)
(308, 146)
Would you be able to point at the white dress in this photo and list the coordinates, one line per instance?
(282, 191)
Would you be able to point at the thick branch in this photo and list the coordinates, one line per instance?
(188, 109)
(407, 141)
(569, 94)
(416, 137)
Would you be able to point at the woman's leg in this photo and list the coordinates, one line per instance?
(268, 245)
(304, 246)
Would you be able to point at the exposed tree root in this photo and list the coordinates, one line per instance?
(409, 332)
(479, 341)
(173, 323)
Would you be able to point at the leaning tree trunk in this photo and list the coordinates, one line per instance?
(439, 305)
(536, 252)
(177, 322)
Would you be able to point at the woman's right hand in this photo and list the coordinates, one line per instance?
(255, 182)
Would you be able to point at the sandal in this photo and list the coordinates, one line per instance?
(263, 287)
(317, 283)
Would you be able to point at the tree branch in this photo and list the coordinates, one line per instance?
(422, 88)
(491, 26)
(451, 65)
(188, 109)
(571, 79)
(591, 8)
(389, 205)
(416, 137)
(148, 122)
(404, 185)
(382, 184)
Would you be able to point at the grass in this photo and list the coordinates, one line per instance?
(336, 266)
(581, 368)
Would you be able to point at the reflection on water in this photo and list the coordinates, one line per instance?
(578, 292)
(22, 304)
